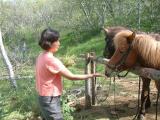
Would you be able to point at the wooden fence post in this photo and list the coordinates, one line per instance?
(93, 82)
(90, 84)
(88, 94)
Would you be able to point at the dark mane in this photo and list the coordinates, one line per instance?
(112, 31)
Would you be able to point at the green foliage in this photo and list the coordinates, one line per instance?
(68, 60)
(94, 43)
(18, 104)
(22, 104)
(67, 110)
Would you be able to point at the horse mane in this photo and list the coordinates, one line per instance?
(147, 47)
(112, 31)
(120, 38)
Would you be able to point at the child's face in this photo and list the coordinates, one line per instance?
(55, 46)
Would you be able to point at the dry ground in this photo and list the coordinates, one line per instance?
(125, 103)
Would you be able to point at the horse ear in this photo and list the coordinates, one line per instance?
(105, 30)
(131, 37)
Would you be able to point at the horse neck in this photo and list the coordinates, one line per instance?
(148, 50)
(155, 36)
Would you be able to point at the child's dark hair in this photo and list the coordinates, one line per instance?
(48, 36)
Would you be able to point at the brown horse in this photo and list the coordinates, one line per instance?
(140, 48)
(109, 50)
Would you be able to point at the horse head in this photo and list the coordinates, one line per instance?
(109, 35)
(124, 56)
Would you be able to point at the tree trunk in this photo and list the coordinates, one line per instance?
(139, 14)
(7, 63)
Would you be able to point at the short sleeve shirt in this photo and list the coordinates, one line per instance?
(48, 78)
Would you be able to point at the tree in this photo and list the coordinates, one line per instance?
(8, 63)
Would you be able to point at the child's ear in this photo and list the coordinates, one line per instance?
(131, 37)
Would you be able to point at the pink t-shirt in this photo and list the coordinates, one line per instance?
(48, 79)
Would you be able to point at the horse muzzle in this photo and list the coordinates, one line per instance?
(108, 71)
(107, 74)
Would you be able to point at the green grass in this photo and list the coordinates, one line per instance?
(18, 104)
(95, 44)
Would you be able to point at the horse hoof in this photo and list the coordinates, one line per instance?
(141, 117)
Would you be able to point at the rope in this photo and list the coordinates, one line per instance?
(119, 76)
(135, 117)
(106, 96)
(115, 98)
(117, 116)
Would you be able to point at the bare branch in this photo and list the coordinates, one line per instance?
(7, 62)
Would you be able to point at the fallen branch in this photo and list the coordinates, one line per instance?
(147, 72)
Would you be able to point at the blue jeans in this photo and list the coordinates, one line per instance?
(50, 107)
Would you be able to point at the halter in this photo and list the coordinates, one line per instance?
(121, 62)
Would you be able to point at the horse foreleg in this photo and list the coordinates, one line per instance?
(157, 83)
(145, 98)
(148, 101)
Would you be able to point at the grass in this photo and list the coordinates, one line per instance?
(95, 44)
(18, 104)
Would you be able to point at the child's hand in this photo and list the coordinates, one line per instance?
(98, 75)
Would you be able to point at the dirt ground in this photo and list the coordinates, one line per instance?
(119, 105)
